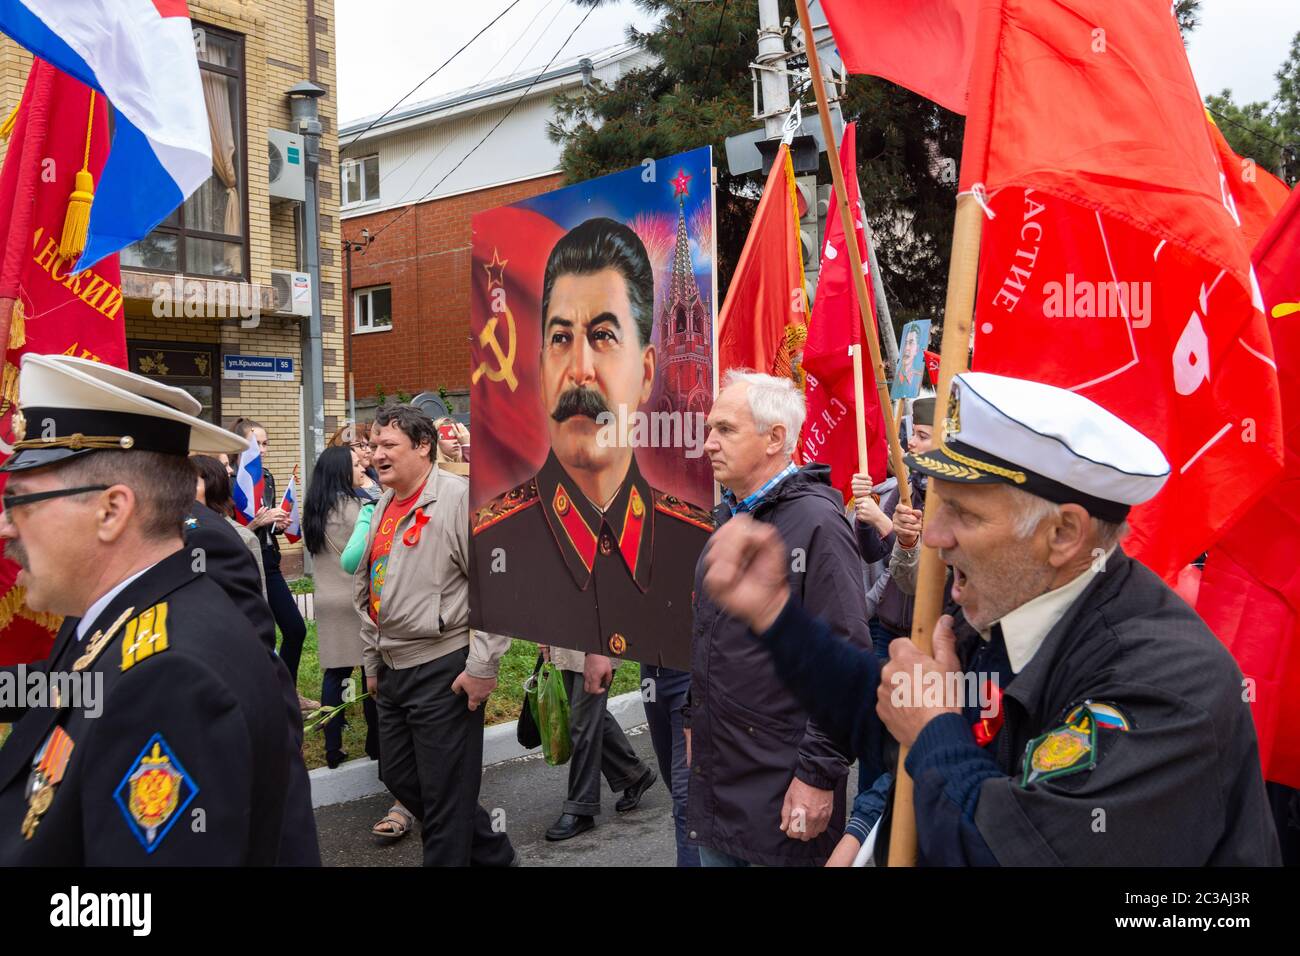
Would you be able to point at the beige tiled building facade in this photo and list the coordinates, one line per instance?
(227, 238)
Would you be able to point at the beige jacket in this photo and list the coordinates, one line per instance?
(424, 607)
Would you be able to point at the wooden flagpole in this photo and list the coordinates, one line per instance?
(932, 575)
(859, 282)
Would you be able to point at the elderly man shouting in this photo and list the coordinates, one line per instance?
(767, 785)
(1075, 710)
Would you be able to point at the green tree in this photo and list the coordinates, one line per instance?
(1267, 132)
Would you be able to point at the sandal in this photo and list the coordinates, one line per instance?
(398, 822)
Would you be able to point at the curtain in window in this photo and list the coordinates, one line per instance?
(221, 127)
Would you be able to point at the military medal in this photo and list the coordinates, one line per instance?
(48, 767)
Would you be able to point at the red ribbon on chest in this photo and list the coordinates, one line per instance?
(412, 536)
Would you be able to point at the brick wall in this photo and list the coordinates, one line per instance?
(425, 256)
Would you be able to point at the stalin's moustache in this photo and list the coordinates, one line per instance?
(579, 401)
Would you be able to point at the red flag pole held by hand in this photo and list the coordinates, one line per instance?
(859, 281)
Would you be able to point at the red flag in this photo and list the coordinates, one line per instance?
(1250, 591)
(830, 430)
(932, 366)
(1114, 266)
(47, 309)
(883, 37)
(762, 323)
(1256, 194)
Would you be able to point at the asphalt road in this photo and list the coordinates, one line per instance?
(530, 793)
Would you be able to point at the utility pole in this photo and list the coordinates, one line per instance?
(771, 58)
(305, 111)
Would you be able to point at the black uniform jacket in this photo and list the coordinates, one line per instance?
(1126, 739)
(186, 761)
(210, 538)
(548, 566)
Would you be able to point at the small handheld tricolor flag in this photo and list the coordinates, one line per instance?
(290, 507)
(250, 487)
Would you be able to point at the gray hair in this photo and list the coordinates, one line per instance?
(1032, 510)
(772, 401)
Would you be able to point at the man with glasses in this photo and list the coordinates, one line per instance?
(156, 731)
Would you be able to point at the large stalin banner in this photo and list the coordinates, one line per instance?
(592, 373)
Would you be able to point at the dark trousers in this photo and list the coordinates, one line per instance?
(431, 758)
(599, 746)
(293, 631)
(331, 695)
(664, 700)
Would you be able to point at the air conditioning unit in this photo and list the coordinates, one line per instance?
(286, 165)
(292, 291)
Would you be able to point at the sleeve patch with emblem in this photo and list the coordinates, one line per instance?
(154, 793)
(1068, 749)
(1108, 716)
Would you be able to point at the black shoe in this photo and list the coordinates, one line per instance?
(568, 826)
(632, 795)
(334, 759)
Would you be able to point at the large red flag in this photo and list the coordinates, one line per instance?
(46, 308)
(763, 321)
(1250, 590)
(924, 45)
(830, 430)
(1256, 195)
(1115, 266)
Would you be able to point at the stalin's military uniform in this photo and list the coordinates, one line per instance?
(551, 567)
(182, 752)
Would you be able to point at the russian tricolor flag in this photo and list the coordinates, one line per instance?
(250, 488)
(290, 507)
(140, 55)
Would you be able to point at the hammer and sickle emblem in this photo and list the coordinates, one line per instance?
(505, 370)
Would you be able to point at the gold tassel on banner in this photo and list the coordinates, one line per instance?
(77, 222)
(7, 127)
(17, 325)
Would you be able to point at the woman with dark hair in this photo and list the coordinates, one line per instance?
(213, 490)
(334, 503)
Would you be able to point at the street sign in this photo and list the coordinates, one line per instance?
(266, 368)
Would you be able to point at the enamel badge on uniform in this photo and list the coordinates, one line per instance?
(1068, 749)
(1108, 716)
(154, 793)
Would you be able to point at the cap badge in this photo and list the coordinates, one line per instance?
(19, 424)
(952, 422)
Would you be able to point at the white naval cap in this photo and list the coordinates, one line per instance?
(72, 406)
(1048, 441)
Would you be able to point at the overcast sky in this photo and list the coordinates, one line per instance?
(385, 47)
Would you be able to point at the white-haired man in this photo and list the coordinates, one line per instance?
(1075, 710)
(767, 785)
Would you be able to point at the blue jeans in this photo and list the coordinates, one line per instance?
(664, 714)
(710, 857)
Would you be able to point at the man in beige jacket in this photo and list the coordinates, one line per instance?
(429, 672)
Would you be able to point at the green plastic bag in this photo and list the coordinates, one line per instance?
(550, 706)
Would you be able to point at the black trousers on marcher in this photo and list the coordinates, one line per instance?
(331, 695)
(431, 758)
(599, 746)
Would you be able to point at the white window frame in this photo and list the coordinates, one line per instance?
(367, 293)
(357, 167)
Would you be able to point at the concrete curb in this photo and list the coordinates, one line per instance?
(357, 779)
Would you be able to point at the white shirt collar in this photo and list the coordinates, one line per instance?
(96, 609)
(1025, 628)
